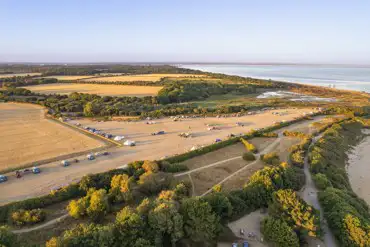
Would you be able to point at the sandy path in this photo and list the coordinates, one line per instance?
(358, 168)
(38, 227)
(148, 147)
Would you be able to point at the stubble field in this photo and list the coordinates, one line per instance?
(102, 90)
(27, 136)
(144, 77)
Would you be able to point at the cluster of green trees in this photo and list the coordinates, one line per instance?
(21, 81)
(183, 91)
(92, 69)
(347, 215)
(272, 158)
(94, 105)
(277, 231)
(7, 238)
(25, 217)
(303, 219)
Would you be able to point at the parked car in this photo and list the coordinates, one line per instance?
(3, 178)
(234, 245)
(158, 133)
(36, 170)
(245, 244)
(105, 153)
(218, 140)
(65, 163)
(90, 157)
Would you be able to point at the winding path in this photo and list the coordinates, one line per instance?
(49, 223)
(309, 194)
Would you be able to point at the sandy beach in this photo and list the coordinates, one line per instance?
(358, 168)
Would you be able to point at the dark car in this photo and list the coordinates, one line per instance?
(158, 133)
(36, 170)
(3, 178)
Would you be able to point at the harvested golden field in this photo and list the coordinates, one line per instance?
(144, 77)
(102, 90)
(27, 136)
(69, 77)
(18, 74)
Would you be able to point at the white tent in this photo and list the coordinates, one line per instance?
(118, 138)
(129, 143)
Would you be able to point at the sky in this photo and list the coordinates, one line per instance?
(263, 31)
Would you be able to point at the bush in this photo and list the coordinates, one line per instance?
(24, 217)
(279, 232)
(249, 146)
(249, 156)
(7, 238)
(321, 181)
(173, 168)
(271, 158)
(66, 193)
(95, 204)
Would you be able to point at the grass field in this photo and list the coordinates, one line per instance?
(69, 77)
(103, 90)
(144, 77)
(18, 74)
(27, 136)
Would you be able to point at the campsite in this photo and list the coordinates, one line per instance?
(152, 147)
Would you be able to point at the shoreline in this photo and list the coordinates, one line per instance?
(358, 169)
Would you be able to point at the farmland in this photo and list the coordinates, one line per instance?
(27, 136)
(18, 74)
(102, 90)
(143, 77)
(149, 146)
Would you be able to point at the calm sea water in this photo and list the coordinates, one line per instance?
(354, 78)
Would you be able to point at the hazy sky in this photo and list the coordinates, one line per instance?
(319, 31)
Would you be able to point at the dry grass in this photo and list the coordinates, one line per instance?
(102, 90)
(215, 156)
(144, 77)
(240, 179)
(27, 136)
(18, 74)
(206, 179)
(69, 77)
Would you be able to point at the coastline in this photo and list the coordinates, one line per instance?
(358, 169)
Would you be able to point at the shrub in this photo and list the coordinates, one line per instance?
(321, 181)
(150, 166)
(296, 158)
(271, 158)
(95, 204)
(173, 168)
(279, 232)
(24, 217)
(288, 206)
(249, 146)
(249, 156)
(7, 238)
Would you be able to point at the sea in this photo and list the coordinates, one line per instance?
(341, 77)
